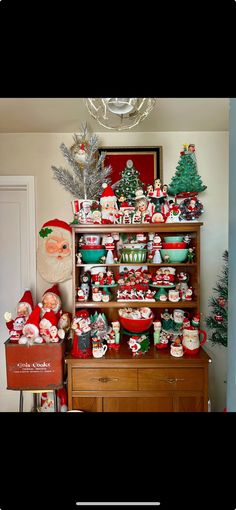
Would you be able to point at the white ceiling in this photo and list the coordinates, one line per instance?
(55, 115)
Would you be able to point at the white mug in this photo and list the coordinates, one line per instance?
(176, 350)
(98, 352)
(173, 295)
(178, 315)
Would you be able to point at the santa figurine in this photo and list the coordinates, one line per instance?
(108, 203)
(134, 344)
(23, 310)
(31, 329)
(51, 300)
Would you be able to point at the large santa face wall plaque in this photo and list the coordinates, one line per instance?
(54, 255)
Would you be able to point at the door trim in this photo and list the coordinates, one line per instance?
(26, 183)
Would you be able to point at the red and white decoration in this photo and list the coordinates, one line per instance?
(54, 255)
(109, 206)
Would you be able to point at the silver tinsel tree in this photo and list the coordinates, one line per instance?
(88, 172)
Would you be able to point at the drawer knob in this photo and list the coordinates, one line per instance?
(172, 380)
(107, 379)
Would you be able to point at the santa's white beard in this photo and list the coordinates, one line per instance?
(54, 270)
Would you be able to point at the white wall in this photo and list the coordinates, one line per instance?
(34, 153)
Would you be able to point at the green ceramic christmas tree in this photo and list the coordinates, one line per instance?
(186, 180)
(129, 183)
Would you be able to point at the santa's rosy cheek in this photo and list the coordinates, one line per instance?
(51, 246)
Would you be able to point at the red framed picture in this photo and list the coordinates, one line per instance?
(147, 160)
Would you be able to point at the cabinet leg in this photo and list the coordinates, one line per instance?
(55, 401)
(35, 402)
(21, 402)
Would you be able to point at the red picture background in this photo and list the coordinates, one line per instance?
(146, 162)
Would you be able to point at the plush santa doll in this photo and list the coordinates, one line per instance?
(16, 331)
(65, 322)
(47, 402)
(48, 328)
(134, 344)
(54, 254)
(23, 310)
(31, 329)
(108, 203)
(51, 300)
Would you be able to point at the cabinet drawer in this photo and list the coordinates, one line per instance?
(171, 379)
(104, 379)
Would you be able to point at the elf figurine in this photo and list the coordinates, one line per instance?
(31, 329)
(23, 310)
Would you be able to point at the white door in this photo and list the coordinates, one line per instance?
(17, 266)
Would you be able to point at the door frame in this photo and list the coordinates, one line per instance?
(26, 183)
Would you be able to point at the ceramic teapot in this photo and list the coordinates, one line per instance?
(191, 342)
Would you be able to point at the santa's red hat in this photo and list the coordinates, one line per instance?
(107, 193)
(53, 290)
(50, 317)
(33, 320)
(27, 300)
(57, 223)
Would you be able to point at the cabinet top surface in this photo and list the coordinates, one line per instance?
(153, 357)
(144, 227)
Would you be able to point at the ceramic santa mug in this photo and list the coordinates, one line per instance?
(191, 342)
(173, 295)
(179, 315)
(176, 350)
(98, 352)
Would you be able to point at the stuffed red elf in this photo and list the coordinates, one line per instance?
(31, 329)
(23, 310)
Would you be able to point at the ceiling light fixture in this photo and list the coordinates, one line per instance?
(119, 113)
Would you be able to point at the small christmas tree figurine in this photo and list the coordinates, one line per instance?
(218, 320)
(129, 183)
(186, 180)
(88, 172)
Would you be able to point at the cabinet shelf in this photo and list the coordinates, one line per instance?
(139, 264)
(190, 226)
(136, 304)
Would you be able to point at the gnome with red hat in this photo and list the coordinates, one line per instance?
(108, 203)
(54, 255)
(31, 329)
(51, 301)
(23, 310)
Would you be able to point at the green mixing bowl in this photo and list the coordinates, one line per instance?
(91, 256)
(173, 239)
(177, 255)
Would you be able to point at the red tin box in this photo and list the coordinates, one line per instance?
(35, 367)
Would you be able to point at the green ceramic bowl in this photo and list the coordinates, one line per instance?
(173, 239)
(177, 255)
(91, 256)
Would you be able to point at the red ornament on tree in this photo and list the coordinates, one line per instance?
(221, 301)
(218, 317)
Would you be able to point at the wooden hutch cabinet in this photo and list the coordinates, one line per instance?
(156, 381)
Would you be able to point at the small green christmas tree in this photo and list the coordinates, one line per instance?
(88, 172)
(218, 320)
(186, 179)
(129, 182)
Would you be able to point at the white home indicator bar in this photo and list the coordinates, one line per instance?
(120, 503)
